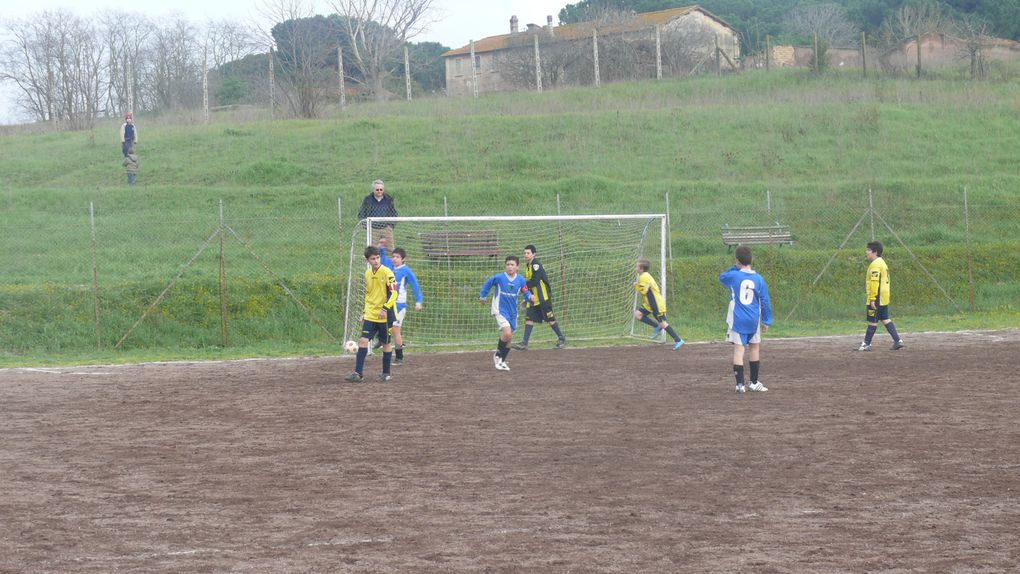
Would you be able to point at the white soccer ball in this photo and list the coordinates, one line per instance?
(351, 347)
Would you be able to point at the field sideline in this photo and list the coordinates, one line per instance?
(616, 460)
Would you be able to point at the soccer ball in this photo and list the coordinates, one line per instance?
(351, 347)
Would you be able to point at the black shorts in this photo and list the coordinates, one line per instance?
(879, 314)
(371, 329)
(658, 318)
(541, 312)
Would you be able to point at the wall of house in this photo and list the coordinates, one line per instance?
(695, 22)
(458, 75)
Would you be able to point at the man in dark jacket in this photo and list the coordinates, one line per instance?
(378, 204)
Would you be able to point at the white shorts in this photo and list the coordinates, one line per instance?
(400, 317)
(738, 339)
(504, 322)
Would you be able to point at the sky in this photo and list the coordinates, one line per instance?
(457, 21)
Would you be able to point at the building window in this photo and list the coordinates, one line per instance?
(478, 62)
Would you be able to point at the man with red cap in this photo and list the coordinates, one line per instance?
(128, 134)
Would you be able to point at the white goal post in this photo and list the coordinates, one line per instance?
(589, 259)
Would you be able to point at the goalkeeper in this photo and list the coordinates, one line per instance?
(540, 308)
(653, 307)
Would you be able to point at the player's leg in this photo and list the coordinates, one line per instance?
(529, 324)
(398, 337)
(642, 315)
(503, 343)
(754, 362)
(367, 331)
(663, 324)
(738, 360)
(883, 316)
(869, 333)
(550, 317)
(384, 338)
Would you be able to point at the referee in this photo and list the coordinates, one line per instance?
(540, 308)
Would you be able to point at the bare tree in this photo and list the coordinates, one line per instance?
(227, 41)
(177, 64)
(377, 31)
(126, 36)
(976, 34)
(907, 24)
(829, 21)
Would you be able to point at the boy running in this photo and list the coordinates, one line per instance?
(653, 307)
(380, 298)
(878, 298)
(540, 309)
(749, 315)
(405, 278)
(505, 287)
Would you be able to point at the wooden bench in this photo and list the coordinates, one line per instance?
(768, 235)
(439, 244)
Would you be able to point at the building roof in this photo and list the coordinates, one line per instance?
(577, 30)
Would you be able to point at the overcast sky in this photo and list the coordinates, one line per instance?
(458, 21)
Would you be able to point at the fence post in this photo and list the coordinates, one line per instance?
(658, 52)
(718, 58)
(272, 87)
(864, 53)
(223, 282)
(205, 89)
(340, 73)
(595, 54)
(340, 243)
(970, 255)
(768, 52)
(816, 62)
(474, 75)
(919, 56)
(446, 209)
(538, 67)
(407, 72)
(95, 274)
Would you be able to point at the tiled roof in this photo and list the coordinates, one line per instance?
(584, 29)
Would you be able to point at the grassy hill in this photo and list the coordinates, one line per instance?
(743, 150)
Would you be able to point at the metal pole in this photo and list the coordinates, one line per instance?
(223, 282)
(658, 52)
(340, 73)
(205, 89)
(474, 75)
(970, 255)
(407, 72)
(595, 55)
(272, 87)
(718, 58)
(95, 274)
(768, 203)
(538, 67)
(768, 52)
(817, 64)
(864, 53)
(918, 56)
(871, 213)
(662, 258)
(130, 90)
(446, 208)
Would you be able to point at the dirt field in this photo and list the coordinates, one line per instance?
(618, 460)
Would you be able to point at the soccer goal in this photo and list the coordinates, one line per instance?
(589, 259)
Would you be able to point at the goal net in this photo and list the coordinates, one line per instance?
(589, 260)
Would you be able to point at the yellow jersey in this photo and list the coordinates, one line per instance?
(878, 282)
(649, 290)
(380, 292)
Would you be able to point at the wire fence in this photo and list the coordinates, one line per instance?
(81, 277)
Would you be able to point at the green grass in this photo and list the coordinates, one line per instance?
(717, 146)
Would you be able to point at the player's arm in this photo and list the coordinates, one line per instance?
(486, 287)
(874, 281)
(412, 280)
(383, 258)
(391, 289)
(653, 304)
(725, 275)
(766, 305)
(543, 279)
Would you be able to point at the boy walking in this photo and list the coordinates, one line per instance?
(878, 298)
(749, 315)
(540, 309)
(653, 307)
(505, 287)
(405, 278)
(380, 299)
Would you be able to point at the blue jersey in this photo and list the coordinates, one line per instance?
(749, 300)
(504, 297)
(405, 279)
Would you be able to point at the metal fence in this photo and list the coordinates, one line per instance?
(84, 276)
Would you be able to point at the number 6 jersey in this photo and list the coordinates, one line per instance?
(749, 300)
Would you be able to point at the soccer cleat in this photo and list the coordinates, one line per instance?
(864, 347)
(656, 332)
(520, 346)
(740, 388)
(383, 377)
(560, 343)
(898, 345)
(757, 387)
(496, 360)
(398, 362)
(678, 344)
(502, 366)
(353, 378)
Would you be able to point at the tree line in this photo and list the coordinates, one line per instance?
(73, 70)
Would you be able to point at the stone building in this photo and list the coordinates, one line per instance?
(710, 29)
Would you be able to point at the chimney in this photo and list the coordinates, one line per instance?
(513, 25)
(548, 25)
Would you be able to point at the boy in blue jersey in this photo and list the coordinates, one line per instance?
(405, 279)
(505, 287)
(749, 315)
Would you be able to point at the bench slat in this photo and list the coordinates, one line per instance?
(775, 234)
(460, 243)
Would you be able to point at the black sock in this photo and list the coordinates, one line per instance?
(502, 349)
(556, 329)
(892, 331)
(754, 370)
(869, 334)
(359, 365)
(387, 359)
(649, 321)
(527, 334)
(672, 333)
(400, 352)
(738, 372)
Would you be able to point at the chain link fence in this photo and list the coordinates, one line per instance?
(84, 277)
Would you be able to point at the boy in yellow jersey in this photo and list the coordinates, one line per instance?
(878, 298)
(380, 300)
(653, 306)
(540, 308)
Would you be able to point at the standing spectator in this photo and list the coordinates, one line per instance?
(128, 134)
(131, 166)
(878, 298)
(378, 204)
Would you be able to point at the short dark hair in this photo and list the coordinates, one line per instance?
(400, 251)
(371, 251)
(644, 264)
(512, 258)
(530, 248)
(875, 246)
(744, 255)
